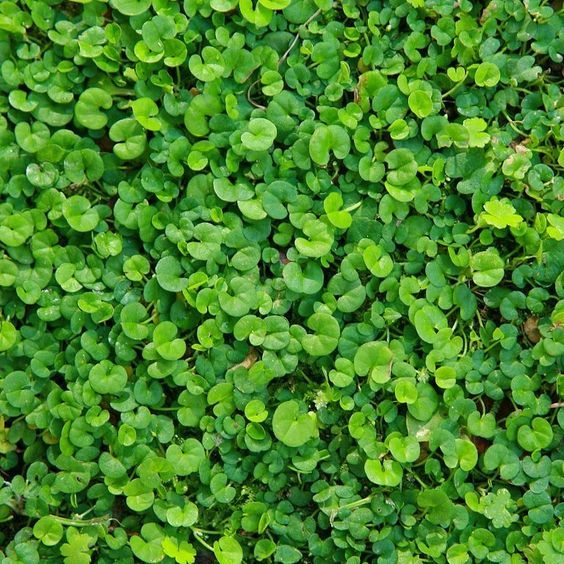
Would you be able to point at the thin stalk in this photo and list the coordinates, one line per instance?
(202, 541)
(357, 503)
(104, 520)
(199, 531)
(416, 477)
(453, 89)
(297, 37)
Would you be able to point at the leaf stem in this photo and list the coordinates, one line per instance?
(199, 531)
(416, 477)
(357, 503)
(202, 541)
(454, 88)
(104, 520)
(249, 92)
(297, 36)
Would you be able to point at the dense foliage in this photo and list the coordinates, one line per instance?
(281, 280)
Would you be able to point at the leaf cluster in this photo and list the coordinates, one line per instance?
(281, 281)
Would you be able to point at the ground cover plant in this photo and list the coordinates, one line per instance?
(281, 281)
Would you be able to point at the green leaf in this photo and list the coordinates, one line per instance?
(388, 474)
(169, 273)
(326, 139)
(375, 360)
(107, 378)
(500, 214)
(145, 110)
(404, 449)
(132, 317)
(208, 66)
(378, 262)
(88, 108)
(319, 239)
(429, 321)
(32, 138)
(420, 103)
(263, 549)
(339, 218)
(487, 74)
(166, 345)
(48, 530)
(402, 167)
(146, 551)
(84, 165)
(258, 15)
(228, 551)
(260, 135)
(476, 128)
(487, 268)
(184, 516)
(183, 552)
(308, 280)
(537, 435)
(130, 139)
(79, 214)
(186, 459)
(325, 337)
(8, 335)
(292, 425)
(131, 7)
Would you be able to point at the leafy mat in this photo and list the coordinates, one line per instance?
(281, 280)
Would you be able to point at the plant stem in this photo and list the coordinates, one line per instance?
(296, 38)
(104, 520)
(454, 88)
(202, 541)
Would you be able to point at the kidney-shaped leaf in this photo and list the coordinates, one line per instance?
(324, 340)
(292, 424)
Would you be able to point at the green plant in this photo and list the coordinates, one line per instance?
(281, 281)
